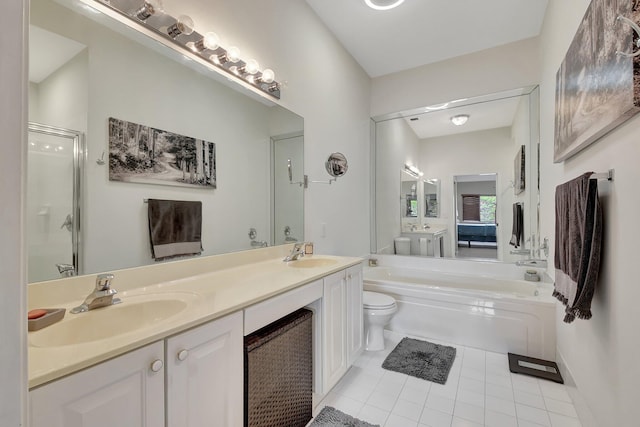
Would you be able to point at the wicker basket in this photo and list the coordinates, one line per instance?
(279, 373)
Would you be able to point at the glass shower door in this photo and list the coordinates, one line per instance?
(287, 189)
(53, 202)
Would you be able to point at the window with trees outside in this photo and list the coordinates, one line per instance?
(480, 208)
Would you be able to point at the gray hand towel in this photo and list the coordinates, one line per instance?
(578, 244)
(517, 229)
(175, 228)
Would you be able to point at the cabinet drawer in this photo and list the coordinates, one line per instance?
(263, 313)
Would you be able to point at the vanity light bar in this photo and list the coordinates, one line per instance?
(180, 32)
(412, 170)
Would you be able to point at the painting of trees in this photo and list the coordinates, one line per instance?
(143, 154)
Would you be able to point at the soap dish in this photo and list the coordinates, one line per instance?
(53, 315)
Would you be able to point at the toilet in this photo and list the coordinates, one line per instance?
(378, 311)
(402, 245)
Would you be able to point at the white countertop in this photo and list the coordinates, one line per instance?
(208, 295)
(433, 229)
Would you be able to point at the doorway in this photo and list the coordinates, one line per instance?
(476, 203)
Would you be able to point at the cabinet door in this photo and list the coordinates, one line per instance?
(204, 375)
(334, 330)
(355, 320)
(123, 392)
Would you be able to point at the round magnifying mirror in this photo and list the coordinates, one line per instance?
(336, 165)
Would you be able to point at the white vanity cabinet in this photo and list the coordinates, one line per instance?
(127, 391)
(355, 315)
(195, 378)
(343, 323)
(204, 371)
(204, 375)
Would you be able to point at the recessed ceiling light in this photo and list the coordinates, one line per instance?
(460, 119)
(383, 4)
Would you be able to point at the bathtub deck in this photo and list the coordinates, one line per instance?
(480, 391)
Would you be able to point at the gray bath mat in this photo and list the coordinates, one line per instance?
(421, 359)
(331, 417)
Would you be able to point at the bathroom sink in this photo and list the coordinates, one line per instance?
(312, 262)
(132, 314)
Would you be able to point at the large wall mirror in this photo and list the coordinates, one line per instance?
(473, 161)
(87, 67)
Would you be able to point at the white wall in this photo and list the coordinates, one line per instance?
(510, 66)
(472, 153)
(13, 127)
(326, 86)
(521, 135)
(396, 144)
(61, 99)
(601, 353)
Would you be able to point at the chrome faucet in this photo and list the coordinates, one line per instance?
(101, 296)
(296, 252)
(259, 244)
(66, 270)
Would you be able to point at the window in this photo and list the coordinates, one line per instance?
(480, 208)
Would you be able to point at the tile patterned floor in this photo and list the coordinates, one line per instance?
(480, 391)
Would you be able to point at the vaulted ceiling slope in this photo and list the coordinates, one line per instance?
(420, 32)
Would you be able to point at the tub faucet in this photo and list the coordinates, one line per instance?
(540, 263)
(101, 296)
(296, 252)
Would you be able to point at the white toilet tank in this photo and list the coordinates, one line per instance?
(402, 245)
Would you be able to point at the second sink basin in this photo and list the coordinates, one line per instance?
(312, 262)
(132, 314)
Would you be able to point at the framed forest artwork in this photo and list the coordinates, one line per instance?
(146, 155)
(598, 83)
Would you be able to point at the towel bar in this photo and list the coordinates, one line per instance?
(606, 175)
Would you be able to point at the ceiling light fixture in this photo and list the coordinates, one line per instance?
(383, 4)
(460, 119)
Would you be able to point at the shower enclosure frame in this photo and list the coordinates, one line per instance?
(79, 160)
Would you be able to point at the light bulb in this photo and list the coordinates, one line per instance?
(149, 8)
(184, 25)
(460, 119)
(233, 54)
(209, 41)
(268, 76)
(251, 67)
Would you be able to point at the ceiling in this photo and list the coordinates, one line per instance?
(420, 32)
(485, 115)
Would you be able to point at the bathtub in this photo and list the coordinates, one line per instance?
(489, 309)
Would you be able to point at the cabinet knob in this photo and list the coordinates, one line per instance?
(157, 365)
(183, 354)
(349, 276)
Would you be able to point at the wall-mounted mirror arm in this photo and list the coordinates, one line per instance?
(336, 166)
(332, 180)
